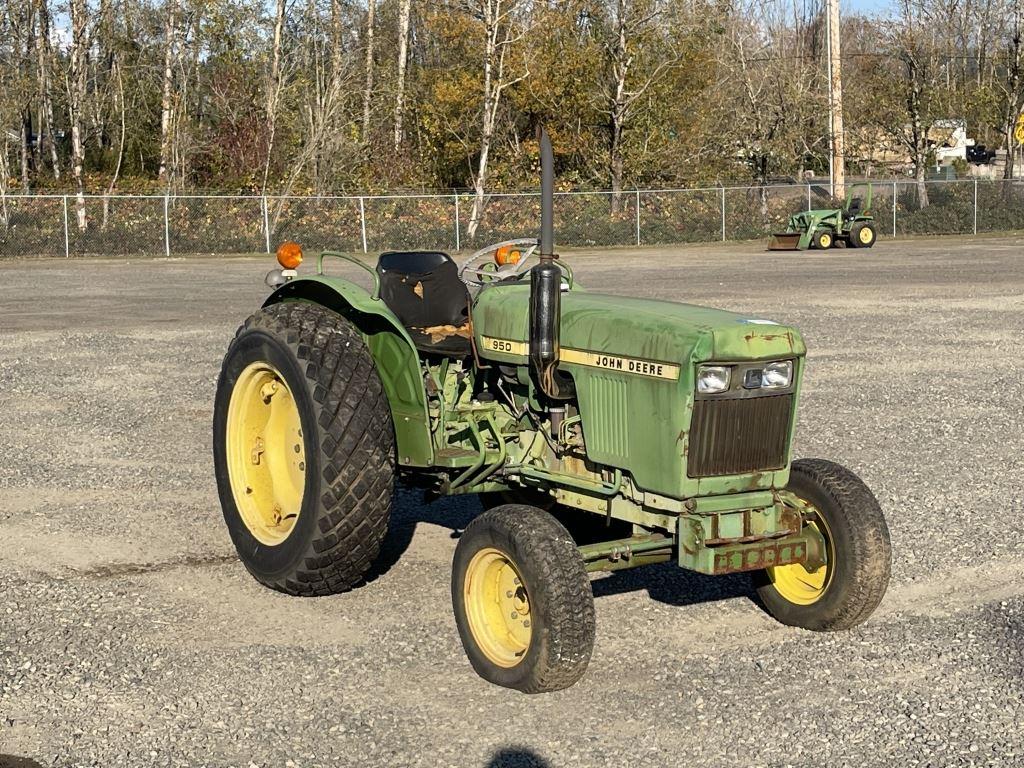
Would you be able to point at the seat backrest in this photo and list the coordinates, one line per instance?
(411, 262)
(854, 210)
(423, 288)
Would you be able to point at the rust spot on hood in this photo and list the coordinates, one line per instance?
(788, 336)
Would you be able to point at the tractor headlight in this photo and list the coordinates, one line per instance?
(712, 379)
(777, 375)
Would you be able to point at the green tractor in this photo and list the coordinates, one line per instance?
(601, 432)
(823, 228)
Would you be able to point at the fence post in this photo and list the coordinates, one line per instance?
(637, 216)
(975, 205)
(458, 233)
(266, 223)
(808, 196)
(67, 237)
(167, 225)
(362, 219)
(722, 190)
(895, 200)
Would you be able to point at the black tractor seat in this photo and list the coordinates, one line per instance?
(424, 291)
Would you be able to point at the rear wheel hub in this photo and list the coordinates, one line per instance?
(265, 453)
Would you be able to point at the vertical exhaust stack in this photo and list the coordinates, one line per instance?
(547, 198)
(546, 289)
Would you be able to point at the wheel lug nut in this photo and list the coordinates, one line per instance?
(297, 448)
(526, 623)
(509, 593)
(515, 615)
(302, 466)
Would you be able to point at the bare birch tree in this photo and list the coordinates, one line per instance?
(275, 82)
(771, 90)
(633, 65)
(404, 13)
(917, 90)
(368, 90)
(5, 175)
(76, 103)
(119, 105)
(25, 42)
(44, 64)
(1010, 84)
(165, 172)
(504, 24)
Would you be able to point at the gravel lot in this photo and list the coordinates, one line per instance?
(131, 636)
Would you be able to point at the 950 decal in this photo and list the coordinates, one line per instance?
(638, 367)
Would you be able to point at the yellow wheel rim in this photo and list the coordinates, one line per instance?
(266, 456)
(866, 235)
(497, 607)
(825, 240)
(798, 585)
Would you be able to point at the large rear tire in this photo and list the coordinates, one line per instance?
(522, 600)
(843, 592)
(304, 450)
(862, 234)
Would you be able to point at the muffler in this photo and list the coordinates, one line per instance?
(546, 290)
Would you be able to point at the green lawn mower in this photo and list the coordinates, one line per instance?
(601, 433)
(823, 228)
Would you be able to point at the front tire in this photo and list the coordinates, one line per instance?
(522, 600)
(823, 239)
(847, 589)
(303, 449)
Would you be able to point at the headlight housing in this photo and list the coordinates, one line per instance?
(777, 375)
(749, 378)
(712, 379)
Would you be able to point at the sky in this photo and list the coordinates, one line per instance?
(864, 6)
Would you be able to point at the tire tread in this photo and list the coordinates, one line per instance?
(569, 614)
(356, 443)
(868, 563)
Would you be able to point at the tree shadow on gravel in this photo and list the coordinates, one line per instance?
(668, 583)
(411, 509)
(10, 761)
(1005, 633)
(517, 757)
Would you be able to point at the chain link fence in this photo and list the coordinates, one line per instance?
(180, 225)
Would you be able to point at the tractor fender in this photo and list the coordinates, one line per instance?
(393, 352)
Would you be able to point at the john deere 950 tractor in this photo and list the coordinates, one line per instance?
(654, 431)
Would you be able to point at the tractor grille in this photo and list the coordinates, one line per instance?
(732, 436)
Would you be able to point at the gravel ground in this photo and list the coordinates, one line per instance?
(131, 636)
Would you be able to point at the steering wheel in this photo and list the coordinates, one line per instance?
(477, 272)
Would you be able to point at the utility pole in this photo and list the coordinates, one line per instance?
(837, 150)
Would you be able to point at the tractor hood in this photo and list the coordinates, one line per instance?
(633, 364)
(644, 329)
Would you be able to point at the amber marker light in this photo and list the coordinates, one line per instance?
(289, 254)
(506, 255)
